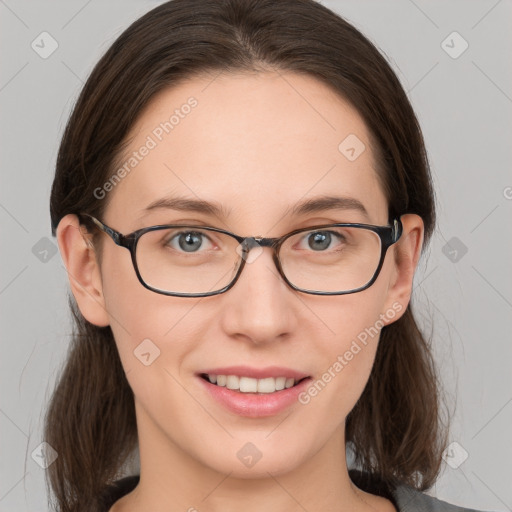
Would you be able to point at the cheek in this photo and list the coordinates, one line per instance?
(353, 324)
(349, 318)
(154, 334)
(144, 323)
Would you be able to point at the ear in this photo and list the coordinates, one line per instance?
(406, 254)
(79, 256)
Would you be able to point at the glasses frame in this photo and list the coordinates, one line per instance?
(388, 235)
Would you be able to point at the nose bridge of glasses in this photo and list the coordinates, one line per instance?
(257, 243)
(251, 242)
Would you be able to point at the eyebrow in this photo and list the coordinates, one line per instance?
(313, 205)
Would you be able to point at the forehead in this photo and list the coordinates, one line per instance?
(255, 143)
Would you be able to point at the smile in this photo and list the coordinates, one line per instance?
(251, 385)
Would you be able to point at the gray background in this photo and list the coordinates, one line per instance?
(464, 106)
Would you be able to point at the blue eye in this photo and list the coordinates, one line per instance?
(188, 241)
(321, 240)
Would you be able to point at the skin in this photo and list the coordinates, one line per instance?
(257, 143)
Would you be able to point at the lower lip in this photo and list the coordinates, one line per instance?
(254, 405)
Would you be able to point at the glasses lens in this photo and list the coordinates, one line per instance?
(193, 260)
(187, 260)
(332, 259)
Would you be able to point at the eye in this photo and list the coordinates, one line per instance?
(189, 241)
(322, 240)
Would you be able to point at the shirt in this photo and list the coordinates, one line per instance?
(404, 498)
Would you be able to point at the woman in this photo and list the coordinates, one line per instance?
(241, 198)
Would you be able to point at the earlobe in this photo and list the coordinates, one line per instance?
(406, 254)
(83, 269)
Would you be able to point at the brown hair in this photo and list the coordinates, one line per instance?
(395, 428)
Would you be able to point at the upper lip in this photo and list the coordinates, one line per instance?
(256, 373)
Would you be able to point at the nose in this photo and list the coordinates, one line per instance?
(260, 306)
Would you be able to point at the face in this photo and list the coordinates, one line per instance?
(255, 144)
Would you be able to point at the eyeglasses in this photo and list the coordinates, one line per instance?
(198, 261)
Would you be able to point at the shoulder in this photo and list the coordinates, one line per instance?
(410, 500)
(116, 491)
(406, 499)
(403, 497)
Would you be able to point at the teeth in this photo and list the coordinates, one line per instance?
(281, 383)
(232, 382)
(250, 385)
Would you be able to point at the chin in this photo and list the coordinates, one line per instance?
(250, 462)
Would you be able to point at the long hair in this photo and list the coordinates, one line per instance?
(395, 429)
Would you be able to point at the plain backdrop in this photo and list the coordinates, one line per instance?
(453, 58)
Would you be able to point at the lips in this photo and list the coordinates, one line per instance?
(248, 402)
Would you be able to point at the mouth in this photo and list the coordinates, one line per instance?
(249, 385)
(253, 392)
